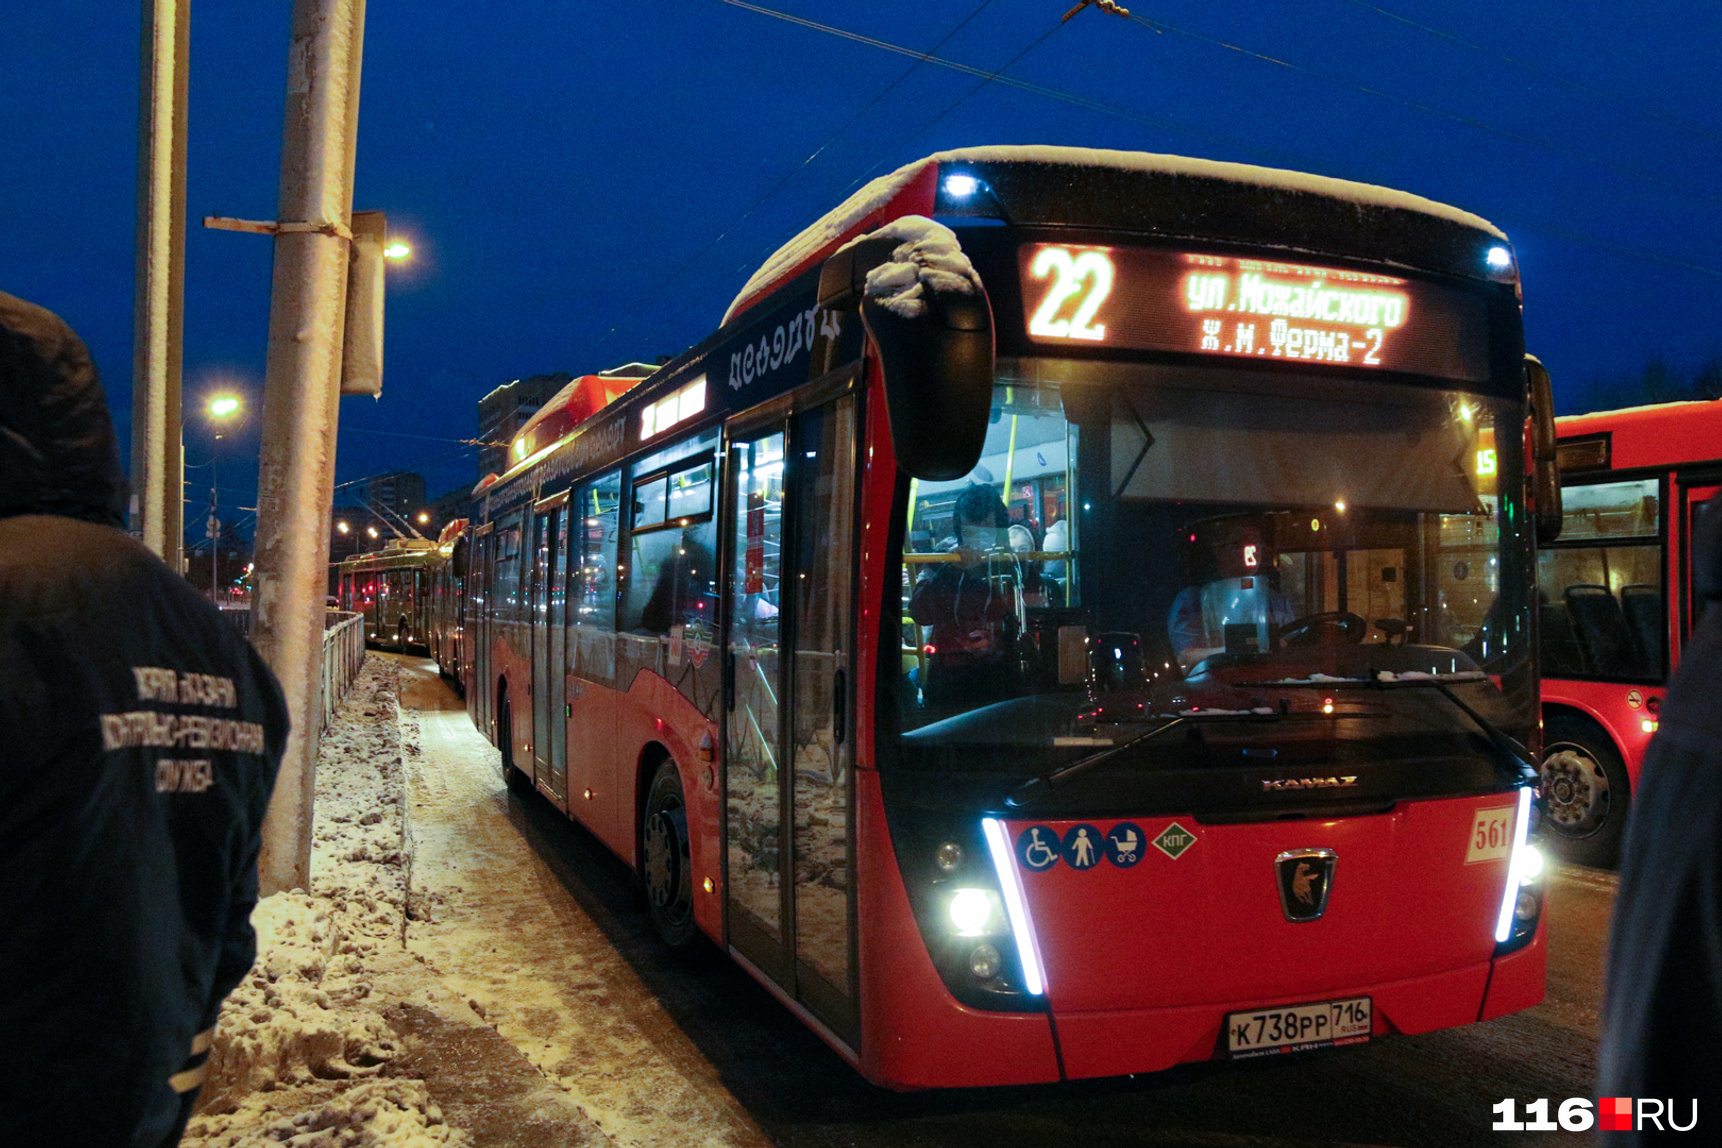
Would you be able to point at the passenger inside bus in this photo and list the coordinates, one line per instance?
(682, 592)
(964, 603)
(1233, 600)
(1188, 547)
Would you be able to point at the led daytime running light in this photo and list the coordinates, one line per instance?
(1515, 867)
(1016, 904)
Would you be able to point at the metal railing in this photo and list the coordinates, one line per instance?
(343, 655)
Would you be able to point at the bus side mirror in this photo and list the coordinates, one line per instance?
(1545, 471)
(938, 365)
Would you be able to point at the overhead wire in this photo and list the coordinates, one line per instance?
(886, 153)
(986, 76)
(1290, 159)
(1187, 129)
(816, 153)
(1431, 109)
(1543, 73)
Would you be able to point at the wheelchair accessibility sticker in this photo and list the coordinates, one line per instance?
(1082, 847)
(1038, 848)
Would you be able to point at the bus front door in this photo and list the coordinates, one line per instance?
(548, 606)
(788, 783)
(478, 684)
(1692, 605)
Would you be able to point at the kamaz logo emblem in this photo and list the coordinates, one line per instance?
(1277, 783)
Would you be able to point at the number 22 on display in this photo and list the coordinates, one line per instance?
(1087, 277)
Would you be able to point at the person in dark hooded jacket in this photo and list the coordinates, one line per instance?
(139, 739)
(1662, 1009)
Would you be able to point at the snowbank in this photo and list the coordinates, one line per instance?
(305, 1024)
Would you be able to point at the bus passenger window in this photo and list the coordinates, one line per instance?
(595, 508)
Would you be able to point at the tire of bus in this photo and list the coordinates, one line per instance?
(1586, 792)
(511, 774)
(666, 871)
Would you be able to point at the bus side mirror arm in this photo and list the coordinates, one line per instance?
(937, 366)
(1545, 469)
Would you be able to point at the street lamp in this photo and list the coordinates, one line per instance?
(219, 408)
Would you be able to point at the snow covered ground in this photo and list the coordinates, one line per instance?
(303, 1043)
(437, 986)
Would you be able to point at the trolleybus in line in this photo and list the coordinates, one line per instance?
(1073, 617)
(445, 625)
(1616, 602)
(391, 587)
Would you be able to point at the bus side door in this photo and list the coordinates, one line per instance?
(1691, 605)
(547, 612)
(790, 527)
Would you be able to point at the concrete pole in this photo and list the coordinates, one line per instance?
(296, 477)
(158, 460)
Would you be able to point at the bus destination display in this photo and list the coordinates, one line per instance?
(1158, 300)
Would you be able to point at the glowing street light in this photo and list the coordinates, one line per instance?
(220, 407)
(397, 250)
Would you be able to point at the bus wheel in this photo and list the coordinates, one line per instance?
(1586, 791)
(668, 875)
(515, 779)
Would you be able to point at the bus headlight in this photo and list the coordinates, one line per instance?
(976, 912)
(1004, 860)
(1522, 899)
(1532, 870)
(967, 898)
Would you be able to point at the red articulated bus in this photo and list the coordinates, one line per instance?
(1073, 617)
(1616, 601)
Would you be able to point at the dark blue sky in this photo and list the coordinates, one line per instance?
(587, 183)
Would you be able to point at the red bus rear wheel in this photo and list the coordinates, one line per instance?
(667, 872)
(1587, 792)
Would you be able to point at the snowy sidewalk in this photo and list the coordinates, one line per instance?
(438, 986)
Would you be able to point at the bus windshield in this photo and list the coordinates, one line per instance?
(1140, 542)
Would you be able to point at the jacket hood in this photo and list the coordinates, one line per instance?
(58, 454)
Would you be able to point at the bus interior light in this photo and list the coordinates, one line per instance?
(1004, 860)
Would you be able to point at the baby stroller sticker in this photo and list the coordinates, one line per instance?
(1124, 843)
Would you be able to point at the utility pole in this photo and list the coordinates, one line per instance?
(158, 460)
(301, 389)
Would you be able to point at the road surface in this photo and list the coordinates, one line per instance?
(540, 926)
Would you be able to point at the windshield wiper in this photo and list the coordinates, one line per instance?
(1498, 737)
(1036, 788)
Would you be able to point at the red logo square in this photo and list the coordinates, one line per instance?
(1614, 1114)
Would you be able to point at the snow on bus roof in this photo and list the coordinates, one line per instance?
(837, 223)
